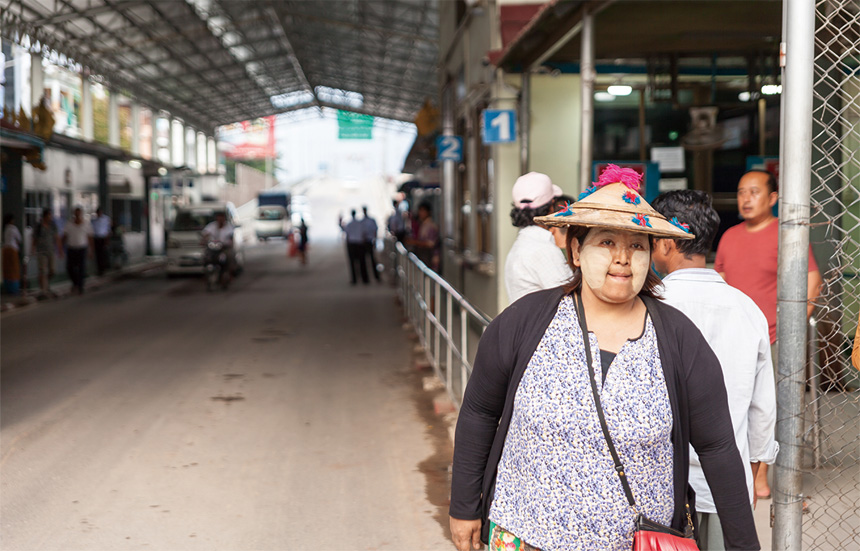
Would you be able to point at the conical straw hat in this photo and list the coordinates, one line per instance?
(614, 202)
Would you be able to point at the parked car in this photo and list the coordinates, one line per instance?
(184, 246)
(271, 221)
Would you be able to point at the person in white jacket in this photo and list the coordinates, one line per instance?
(737, 331)
(535, 261)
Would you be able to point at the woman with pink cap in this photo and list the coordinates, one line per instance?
(576, 423)
(535, 261)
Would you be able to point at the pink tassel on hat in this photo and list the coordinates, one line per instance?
(613, 174)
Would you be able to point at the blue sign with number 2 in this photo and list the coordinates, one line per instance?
(500, 126)
(449, 148)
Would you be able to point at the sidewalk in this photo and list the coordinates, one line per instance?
(63, 288)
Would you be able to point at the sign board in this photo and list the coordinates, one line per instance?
(672, 184)
(449, 148)
(670, 159)
(354, 126)
(248, 139)
(499, 126)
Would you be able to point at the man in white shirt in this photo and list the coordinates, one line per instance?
(221, 231)
(356, 248)
(101, 240)
(737, 331)
(78, 239)
(535, 261)
(371, 230)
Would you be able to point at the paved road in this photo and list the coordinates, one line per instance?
(283, 414)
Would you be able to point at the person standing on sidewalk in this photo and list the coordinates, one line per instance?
(736, 330)
(11, 255)
(535, 261)
(355, 248)
(78, 239)
(101, 240)
(47, 243)
(747, 260)
(371, 230)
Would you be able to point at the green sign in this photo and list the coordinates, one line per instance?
(354, 126)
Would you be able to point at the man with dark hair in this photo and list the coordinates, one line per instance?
(371, 231)
(736, 330)
(47, 244)
(747, 260)
(356, 248)
(534, 261)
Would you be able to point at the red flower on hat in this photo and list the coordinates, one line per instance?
(565, 210)
(614, 174)
(642, 220)
(681, 225)
(632, 198)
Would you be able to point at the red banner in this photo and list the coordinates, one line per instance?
(253, 139)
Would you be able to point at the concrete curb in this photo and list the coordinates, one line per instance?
(64, 289)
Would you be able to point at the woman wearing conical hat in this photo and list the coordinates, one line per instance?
(532, 461)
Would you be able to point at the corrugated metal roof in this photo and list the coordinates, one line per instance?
(212, 62)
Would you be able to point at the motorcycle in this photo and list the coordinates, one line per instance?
(216, 265)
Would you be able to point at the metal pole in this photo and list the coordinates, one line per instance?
(762, 126)
(525, 121)
(795, 168)
(449, 359)
(437, 345)
(643, 147)
(814, 398)
(464, 377)
(449, 168)
(587, 100)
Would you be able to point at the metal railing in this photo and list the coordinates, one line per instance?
(447, 325)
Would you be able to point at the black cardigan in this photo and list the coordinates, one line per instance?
(696, 391)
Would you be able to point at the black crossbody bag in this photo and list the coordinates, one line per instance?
(649, 535)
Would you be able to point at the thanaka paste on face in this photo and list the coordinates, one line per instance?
(596, 261)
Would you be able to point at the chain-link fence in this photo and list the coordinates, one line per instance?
(831, 410)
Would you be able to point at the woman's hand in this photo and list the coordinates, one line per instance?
(466, 534)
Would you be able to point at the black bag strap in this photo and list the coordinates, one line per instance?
(619, 467)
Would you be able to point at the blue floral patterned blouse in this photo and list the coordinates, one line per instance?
(556, 486)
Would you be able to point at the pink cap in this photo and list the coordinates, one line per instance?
(534, 190)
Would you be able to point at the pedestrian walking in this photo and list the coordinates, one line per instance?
(584, 400)
(747, 260)
(356, 248)
(736, 330)
(425, 244)
(101, 240)
(302, 244)
(396, 224)
(78, 241)
(47, 246)
(371, 231)
(534, 262)
(12, 241)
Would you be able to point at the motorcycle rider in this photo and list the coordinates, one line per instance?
(221, 231)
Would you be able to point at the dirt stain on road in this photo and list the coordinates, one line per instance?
(228, 399)
(437, 467)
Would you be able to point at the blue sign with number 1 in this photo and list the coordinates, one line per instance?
(500, 126)
(449, 148)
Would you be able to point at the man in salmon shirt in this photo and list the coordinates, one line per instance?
(747, 260)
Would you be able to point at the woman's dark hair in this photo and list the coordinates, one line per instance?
(426, 206)
(691, 207)
(7, 219)
(652, 282)
(522, 218)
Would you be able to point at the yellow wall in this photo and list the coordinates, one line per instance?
(555, 142)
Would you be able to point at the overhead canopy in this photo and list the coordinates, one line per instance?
(213, 62)
(648, 29)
